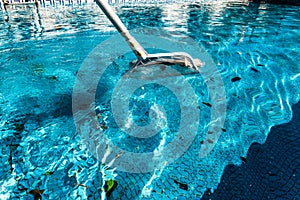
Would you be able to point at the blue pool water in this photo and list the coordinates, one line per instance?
(43, 49)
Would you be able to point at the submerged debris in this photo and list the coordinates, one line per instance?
(19, 127)
(38, 69)
(82, 185)
(52, 78)
(10, 162)
(110, 186)
(210, 141)
(48, 173)
(163, 67)
(181, 185)
(243, 159)
(235, 79)
(254, 69)
(208, 191)
(37, 194)
(104, 127)
(207, 104)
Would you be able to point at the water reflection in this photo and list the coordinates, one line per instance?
(175, 17)
(140, 16)
(29, 22)
(21, 24)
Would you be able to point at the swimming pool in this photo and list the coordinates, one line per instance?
(255, 48)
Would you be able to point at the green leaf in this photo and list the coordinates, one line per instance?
(109, 186)
(48, 173)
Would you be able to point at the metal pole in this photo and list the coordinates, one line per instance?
(115, 20)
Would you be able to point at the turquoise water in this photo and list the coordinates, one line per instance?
(42, 50)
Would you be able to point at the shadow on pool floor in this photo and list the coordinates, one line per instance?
(270, 171)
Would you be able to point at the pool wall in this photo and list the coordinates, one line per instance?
(270, 171)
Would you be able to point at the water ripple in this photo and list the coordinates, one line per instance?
(40, 54)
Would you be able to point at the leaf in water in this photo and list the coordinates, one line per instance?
(207, 104)
(254, 69)
(37, 194)
(38, 68)
(48, 173)
(109, 186)
(235, 79)
(181, 185)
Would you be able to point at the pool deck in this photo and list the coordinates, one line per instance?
(44, 2)
(289, 2)
(270, 171)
